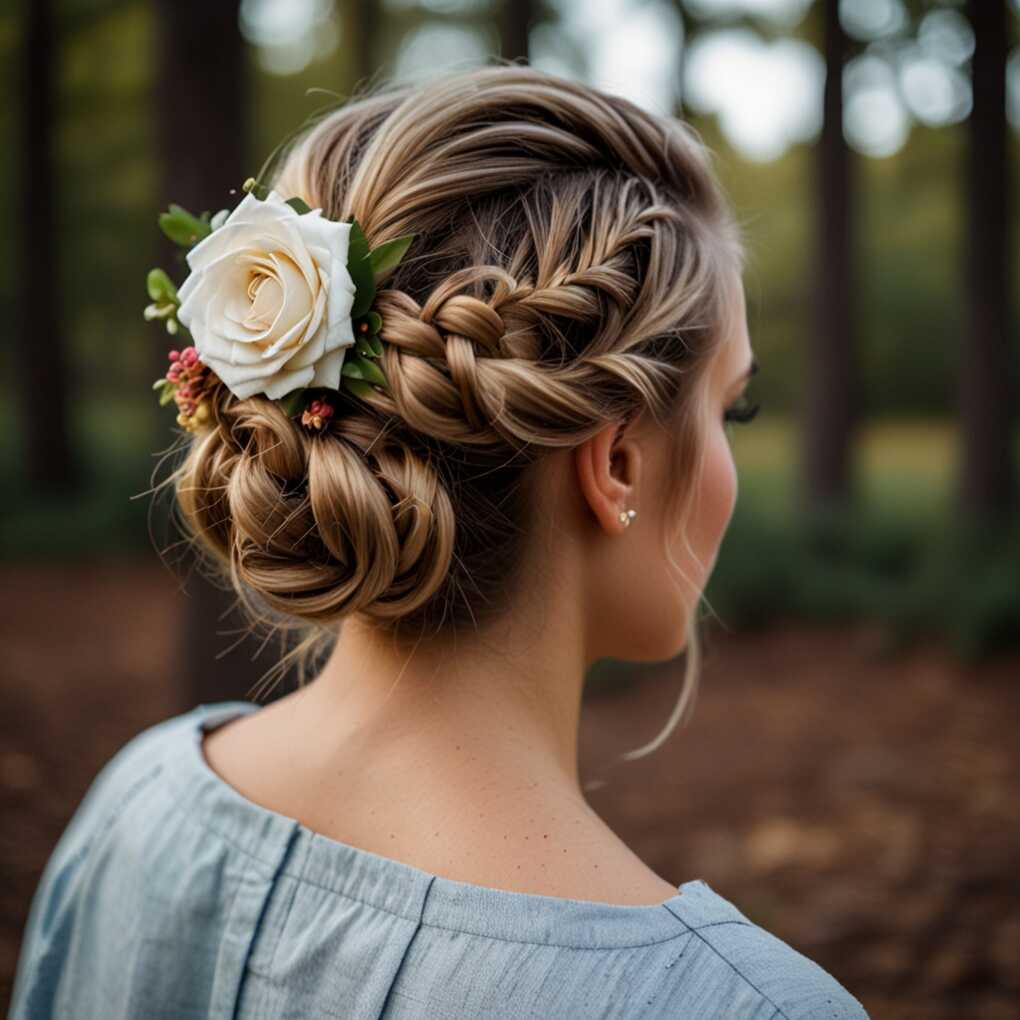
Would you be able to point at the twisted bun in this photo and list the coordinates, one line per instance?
(319, 526)
(571, 266)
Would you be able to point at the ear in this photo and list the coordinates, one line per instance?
(608, 465)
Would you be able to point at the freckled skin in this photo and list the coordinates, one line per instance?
(452, 758)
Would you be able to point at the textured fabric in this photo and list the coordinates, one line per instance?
(170, 895)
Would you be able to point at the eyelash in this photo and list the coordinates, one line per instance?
(741, 415)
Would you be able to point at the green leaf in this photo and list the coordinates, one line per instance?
(351, 369)
(161, 287)
(387, 255)
(299, 205)
(360, 268)
(375, 343)
(359, 389)
(293, 402)
(167, 395)
(182, 227)
(361, 368)
(161, 381)
(374, 320)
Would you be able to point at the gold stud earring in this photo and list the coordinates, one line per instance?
(626, 516)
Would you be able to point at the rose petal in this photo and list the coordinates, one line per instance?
(220, 239)
(269, 298)
(292, 341)
(327, 370)
(265, 309)
(295, 242)
(282, 383)
(223, 293)
(335, 237)
(314, 348)
(309, 352)
(297, 301)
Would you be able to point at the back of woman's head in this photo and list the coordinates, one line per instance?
(572, 266)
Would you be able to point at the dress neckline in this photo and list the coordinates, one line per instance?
(285, 845)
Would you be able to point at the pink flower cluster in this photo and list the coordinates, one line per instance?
(189, 377)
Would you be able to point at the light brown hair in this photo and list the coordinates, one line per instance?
(572, 266)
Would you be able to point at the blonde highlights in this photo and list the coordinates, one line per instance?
(569, 269)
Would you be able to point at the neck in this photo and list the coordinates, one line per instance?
(493, 713)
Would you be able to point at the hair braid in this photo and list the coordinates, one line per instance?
(571, 268)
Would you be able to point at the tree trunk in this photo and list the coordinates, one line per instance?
(201, 106)
(515, 20)
(364, 17)
(987, 483)
(49, 464)
(831, 396)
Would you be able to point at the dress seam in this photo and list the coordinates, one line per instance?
(779, 1012)
(257, 927)
(410, 917)
(282, 924)
(393, 990)
(558, 945)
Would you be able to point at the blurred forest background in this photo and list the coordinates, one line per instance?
(865, 609)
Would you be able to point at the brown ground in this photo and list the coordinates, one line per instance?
(863, 810)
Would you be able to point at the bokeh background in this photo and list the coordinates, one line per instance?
(849, 777)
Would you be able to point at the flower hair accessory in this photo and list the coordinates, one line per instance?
(276, 297)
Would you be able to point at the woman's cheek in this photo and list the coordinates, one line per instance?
(732, 484)
(727, 484)
(718, 497)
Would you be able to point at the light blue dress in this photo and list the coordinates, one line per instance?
(170, 895)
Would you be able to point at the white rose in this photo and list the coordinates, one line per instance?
(269, 298)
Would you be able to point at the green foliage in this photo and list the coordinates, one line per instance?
(166, 391)
(360, 267)
(183, 228)
(387, 255)
(161, 288)
(920, 575)
(356, 367)
(966, 586)
(356, 386)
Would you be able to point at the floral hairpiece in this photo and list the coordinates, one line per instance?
(276, 296)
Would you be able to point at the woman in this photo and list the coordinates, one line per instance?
(539, 477)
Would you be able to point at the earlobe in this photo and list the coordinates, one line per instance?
(605, 473)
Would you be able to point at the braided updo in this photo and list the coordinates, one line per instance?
(571, 266)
